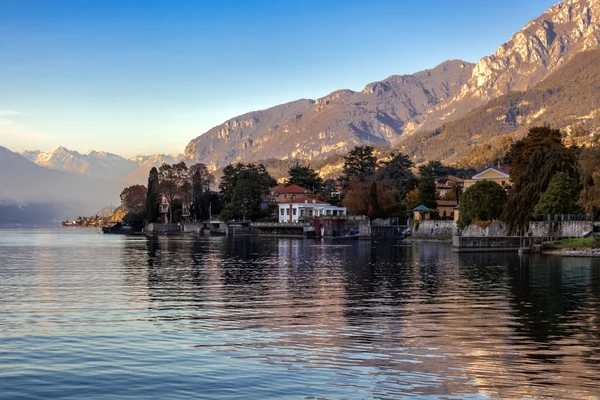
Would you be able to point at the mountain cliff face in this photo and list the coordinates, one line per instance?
(537, 50)
(310, 129)
(568, 99)
(392, 110)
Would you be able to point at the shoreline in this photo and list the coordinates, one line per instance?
(587, 252)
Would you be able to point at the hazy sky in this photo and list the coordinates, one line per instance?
(147, 76)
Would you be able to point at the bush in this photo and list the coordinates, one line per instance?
(136, 219)
(481, 202)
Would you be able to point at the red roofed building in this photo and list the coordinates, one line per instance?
(282, 194)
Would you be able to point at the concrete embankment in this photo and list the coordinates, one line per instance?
(494, 237)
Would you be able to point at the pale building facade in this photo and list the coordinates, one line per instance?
(303, 209)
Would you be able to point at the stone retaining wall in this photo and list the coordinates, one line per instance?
(482, 243)
(434, 229)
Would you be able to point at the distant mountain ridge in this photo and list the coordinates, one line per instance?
(390, 111)
(310, 129)
(101, 164)
(28, 183)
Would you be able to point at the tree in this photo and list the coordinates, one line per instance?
(427, 193)
(242, 187)
(589, 168)
(534, 159)
(305, 177)
(412, 199)
(360, 163)
(328, 189)
(457, 189)
(172, 182)
(201, 196)
(228, 181)
(373, 201)
(361, 199)
(432, 168)
(398, 172)
(136, 219)
(152, 196)
(483, 201)
(134, 197)
(560, 198)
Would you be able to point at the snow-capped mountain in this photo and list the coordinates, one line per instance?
(100, 164)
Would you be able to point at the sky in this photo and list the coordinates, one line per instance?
(147, 76)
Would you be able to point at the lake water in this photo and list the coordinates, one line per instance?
(88, 316)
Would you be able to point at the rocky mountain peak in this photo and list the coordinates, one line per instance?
(534, 52)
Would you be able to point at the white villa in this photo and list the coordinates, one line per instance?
(304, 208)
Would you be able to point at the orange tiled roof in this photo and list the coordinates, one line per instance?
(294, 189)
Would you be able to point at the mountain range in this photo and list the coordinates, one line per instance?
(54, 194)
(100, 164)
(391, 111)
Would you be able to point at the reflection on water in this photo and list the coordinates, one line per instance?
(83, 314)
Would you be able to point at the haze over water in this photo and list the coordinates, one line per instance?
(84, 315)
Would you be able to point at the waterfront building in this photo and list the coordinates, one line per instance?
(304, 208)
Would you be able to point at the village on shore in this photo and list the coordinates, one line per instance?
(536, 196)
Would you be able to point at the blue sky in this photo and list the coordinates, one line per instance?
(147, 76)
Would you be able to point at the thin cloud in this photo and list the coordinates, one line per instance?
(13, 135)
(10, 113)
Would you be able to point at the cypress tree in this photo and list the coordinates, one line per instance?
(373, 201)
(152, 197)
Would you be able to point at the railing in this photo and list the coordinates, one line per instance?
(565, 217)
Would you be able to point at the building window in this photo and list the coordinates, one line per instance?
(287, 211)
(293, 197)
(285, 196)
(282, 212)
(294, 211)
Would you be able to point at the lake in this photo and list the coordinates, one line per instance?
(85, 315)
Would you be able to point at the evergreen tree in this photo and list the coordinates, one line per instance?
(152, 196)
(560, 198)
(373, 201)
(360, 163)
(228, 182)
(427, 194)
(242, 187)
(305, 177)
(481, 202)
(398, 172)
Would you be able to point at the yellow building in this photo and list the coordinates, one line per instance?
(446, 208)
(499, 175)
